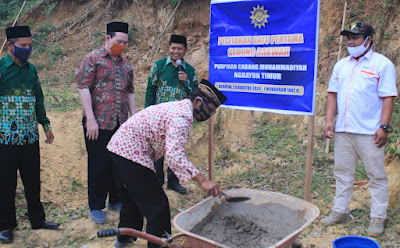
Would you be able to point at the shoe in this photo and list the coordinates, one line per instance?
(6, 236)
(98, 216)
(335, 218)
(114, 207)
(121, 244)
(376, 227)
(178, 188)
(48, 225)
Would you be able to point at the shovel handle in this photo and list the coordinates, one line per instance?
(138, 234)
(108, 233)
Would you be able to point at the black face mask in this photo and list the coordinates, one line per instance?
(22, 53)
(201, 114)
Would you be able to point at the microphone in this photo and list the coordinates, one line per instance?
(179, 63)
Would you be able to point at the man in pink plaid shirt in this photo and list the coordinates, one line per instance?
(157, 131)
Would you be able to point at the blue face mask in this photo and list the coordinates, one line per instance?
(22, 53)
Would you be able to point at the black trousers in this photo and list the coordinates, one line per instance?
(101, 177)
(159, 166)
(142, 196)
(26, 159)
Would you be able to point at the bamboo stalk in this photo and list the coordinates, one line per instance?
(165, 28)
(309, 157)
(15, 21)
(211, 148)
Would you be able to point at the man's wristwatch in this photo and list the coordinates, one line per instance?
(386, 128)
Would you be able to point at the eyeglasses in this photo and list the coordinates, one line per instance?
(207, 108)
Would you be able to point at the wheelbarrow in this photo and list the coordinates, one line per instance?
(186, 221)
(179, 240)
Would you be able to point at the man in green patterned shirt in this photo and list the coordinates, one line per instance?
(21, 108)
(171, 79)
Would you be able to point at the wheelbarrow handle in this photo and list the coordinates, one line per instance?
(108, 233)
(138, 234)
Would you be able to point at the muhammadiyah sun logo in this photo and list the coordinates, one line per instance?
(259, 16)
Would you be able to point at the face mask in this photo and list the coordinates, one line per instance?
(359, 50)
(202, 114)
(22, 53)
(117, 49)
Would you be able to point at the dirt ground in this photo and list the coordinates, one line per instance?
(64, 180)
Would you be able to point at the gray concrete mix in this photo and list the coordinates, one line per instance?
(242, 224)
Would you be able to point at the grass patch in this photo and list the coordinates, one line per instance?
(61, 99)
(59, 94)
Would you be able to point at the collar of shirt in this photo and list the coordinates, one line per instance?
(9, 61)
(367, 56)
(169, 60)
(104, 53)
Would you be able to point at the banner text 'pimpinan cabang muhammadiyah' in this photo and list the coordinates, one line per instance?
(263, 54)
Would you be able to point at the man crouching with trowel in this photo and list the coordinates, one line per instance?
(157, 131)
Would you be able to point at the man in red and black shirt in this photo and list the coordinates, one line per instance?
(105, 80)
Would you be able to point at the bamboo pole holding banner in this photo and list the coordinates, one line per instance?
(309, 158)
(328, 141)
(211, 148)
(15, 21)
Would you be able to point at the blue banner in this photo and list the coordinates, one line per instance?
(263, 54)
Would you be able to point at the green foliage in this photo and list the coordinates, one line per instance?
(328, 42)
(50, 9)
(394, 138)
(60, 97)
(39, 38)
(361, 173)
(9, 8)
(174, 2)
(42, 44)
(388, 4)
(278, 140)
(56, 52)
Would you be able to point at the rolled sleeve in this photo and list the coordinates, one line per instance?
(86, 72)
(387, 81)
(334, 80)
(175, 157)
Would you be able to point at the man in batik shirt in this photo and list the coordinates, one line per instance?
(21, 108)
(168, 81)
(158, 131)
(105, 80)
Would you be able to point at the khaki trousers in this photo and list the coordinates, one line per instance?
(348, 149)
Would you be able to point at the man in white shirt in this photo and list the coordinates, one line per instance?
(361, 90)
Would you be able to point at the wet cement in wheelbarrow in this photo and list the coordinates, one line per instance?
(247, 225)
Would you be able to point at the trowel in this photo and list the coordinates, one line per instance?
(235, 198)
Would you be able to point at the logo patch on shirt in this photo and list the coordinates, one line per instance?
(369, 70)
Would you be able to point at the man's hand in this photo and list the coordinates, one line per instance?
(92, 129)
(182, 76)
(380, 137)
(49, 137)
(328, 130)
(210, 187)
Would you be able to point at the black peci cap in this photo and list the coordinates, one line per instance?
(18, 32)
(117, 27)
(178, 39)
